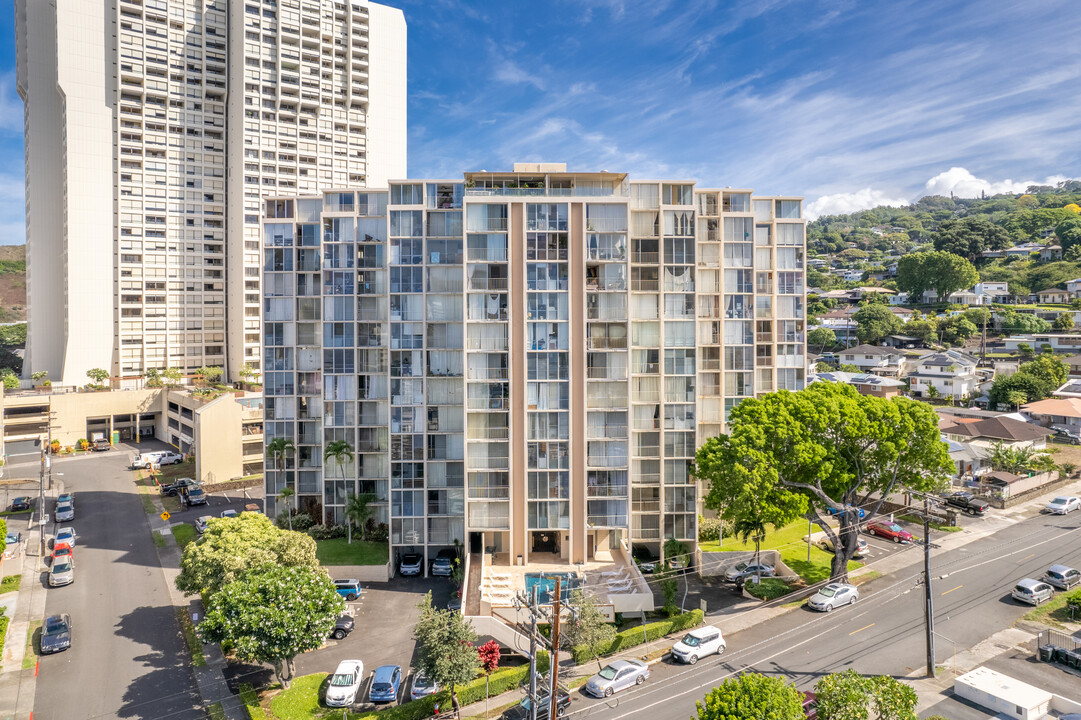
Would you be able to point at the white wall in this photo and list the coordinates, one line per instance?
(386, 140)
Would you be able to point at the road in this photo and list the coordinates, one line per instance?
(128, 659)
(881, 634)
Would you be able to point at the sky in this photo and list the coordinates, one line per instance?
(848, 103)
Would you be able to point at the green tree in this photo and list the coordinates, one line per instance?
(969, 237)
(1025, 349)
(228, 551)
(358, 508)
(1013, 322)
(279, 450)
(587, 625)
(751, 696)
(273, 615)
(153, 377)
(875, 322)
(956, 329)
(40, 376)
(9, 378)
(284, 494)
(977, 316)
(249, 373)
(341, 452)
(851, 696)
(821, 338)
(1068, 233)
(1016, 398)
(170, 376)
(826, 447)
(943, 272)
(98, 375)
(1027, 224)
(1064, 321)
(925, 330)
(445, 651)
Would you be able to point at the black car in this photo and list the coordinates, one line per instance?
(22, 503)
(56, 634)
(342, 627)
(195, 496)
(521, 710)
(966, 502)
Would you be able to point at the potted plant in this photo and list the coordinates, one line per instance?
(41, 378)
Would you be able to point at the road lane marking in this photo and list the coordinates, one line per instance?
(952, 589)
(1026, 558)
(861, 629)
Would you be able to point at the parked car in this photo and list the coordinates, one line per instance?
(56, 634)
(832, 596)
(889, 531)
(146, 460)
(521, 711)
(444, 562)
(195, 496)
(1066, 434)
(65, 498)
(61, 573)
(861, 546)
(1062, 577)
(13, 538)
(201, 523)
(65, 535)
(170, 458)
(422, 686)
(345, 683)
(22, 503)
(647, 561)
(699, 643)
(411, 564)
(342, 627)
(1063, 505)
(101, 445)
(617, 675)
(62, 546)
(62, 553)
(1032, 591)
(348, 588)
(835, 512)
(386, 681)
(810, 706)
(65, 512)
(230, 513)
(179, 487)
(12, 544)
(743, 570)
(966, 502)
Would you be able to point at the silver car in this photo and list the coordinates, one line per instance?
(1064, 504)
(617, 675)
(65, 512)
(832, 596)
(61, 573)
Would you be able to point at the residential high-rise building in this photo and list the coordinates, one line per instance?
(153, 128)
(522, 361)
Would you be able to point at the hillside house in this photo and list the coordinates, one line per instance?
(1051, 252)
(1053, 295)
(865, 384)
(987, 432)
(1059, 342)
(873, 359)
(951, 373)
(1056, 411)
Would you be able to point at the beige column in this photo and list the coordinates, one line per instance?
(579, 535)
(519, 534)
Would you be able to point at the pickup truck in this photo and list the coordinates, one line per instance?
(966, 502)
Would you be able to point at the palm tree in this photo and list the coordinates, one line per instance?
(342, 452)
(358, 509)
(751, 528)
(278, 449)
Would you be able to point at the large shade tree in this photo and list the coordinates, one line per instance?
(445, 651)
(274, 614)
(940, 271)
(827, 449)
(229, 550)
(751, 696)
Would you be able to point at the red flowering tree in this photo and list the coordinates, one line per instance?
(488, 653)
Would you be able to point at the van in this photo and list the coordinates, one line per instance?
(146, 460)
(698, 643)
(1032, 591)
(1062, 577)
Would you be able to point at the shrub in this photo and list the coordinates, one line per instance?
(380, 534)
(301, 521)
(323, 532)
(767, 589)
(712, 529)
(642, 634)
(82, 443)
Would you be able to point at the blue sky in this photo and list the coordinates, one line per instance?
(848, 103)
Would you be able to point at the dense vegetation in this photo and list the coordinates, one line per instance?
(964, 227)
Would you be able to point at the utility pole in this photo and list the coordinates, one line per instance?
(929, 605)
(553, 694)
(533, 655)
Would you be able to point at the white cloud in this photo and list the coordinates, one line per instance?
(512, 73)
(840, 203)
(961, 182)
(11, 105)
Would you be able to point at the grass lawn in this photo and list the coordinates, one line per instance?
(933, 525)
(184, 534)
(361, 552)
(301, 700)
(15, 513)
(789, 542)
(215, 711)
(33, 641)
(10, 584)
(4, 620)
(1053, 612)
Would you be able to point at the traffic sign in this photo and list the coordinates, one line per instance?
(165, 515)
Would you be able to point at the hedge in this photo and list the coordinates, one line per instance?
(640, 635)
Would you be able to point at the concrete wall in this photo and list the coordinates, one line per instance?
(364, 573)
(714, 564)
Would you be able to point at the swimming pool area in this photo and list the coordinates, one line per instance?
(546, 585)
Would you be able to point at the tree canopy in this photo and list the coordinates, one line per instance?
(823, 448)
(1013, 322)
(968, 237)
(821, 338)
(445, 651)
(751, 696)
(588, 626)
(274, 614)
(943, 272)
(1036, 379)
(875, 322)
(232, 547)
(851, 696)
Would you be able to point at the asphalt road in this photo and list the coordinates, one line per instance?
(881, 634)
(128, 659)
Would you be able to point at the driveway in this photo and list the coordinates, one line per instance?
(126, 644)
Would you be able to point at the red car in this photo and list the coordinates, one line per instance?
(889, 530)
(61, 552)
(810, 706)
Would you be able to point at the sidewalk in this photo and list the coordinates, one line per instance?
(209, 678)
(25, 606)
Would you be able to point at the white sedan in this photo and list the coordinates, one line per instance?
(1063, 505)
(832, 596)
(345, 683)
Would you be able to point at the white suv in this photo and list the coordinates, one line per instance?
(698, 643)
